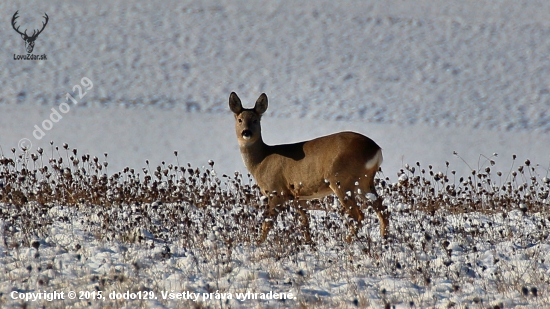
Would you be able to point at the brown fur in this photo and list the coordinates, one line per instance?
(308, 170)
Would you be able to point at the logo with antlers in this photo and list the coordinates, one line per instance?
(29, 40)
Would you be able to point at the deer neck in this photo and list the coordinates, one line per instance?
(253, 154)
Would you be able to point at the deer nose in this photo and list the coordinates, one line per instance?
(246, 134)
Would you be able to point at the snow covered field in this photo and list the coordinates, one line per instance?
(422, 78)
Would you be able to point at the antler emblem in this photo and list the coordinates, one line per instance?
(29, 40)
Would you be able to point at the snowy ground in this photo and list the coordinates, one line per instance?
(442, 261)
(422, 78)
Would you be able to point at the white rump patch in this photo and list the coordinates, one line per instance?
(375, 161)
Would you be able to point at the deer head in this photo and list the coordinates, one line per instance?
(29, 40)
(247, 120)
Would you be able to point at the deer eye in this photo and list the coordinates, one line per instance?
(240, 121)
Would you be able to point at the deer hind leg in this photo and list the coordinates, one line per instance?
(349, 206)
(382, 212)
(304, 219)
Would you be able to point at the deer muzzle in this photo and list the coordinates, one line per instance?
(246, 134)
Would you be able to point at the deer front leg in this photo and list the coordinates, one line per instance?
(270, 215)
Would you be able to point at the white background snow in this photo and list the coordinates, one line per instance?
(421, 78)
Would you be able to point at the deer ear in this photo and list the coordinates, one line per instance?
(261, 104)
(235, 103)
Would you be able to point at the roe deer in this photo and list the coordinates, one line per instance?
(342, 163)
